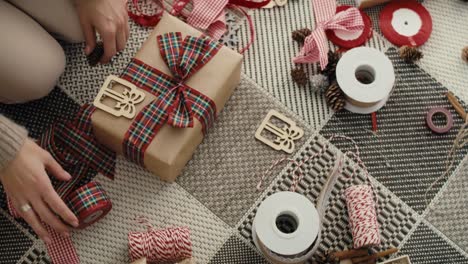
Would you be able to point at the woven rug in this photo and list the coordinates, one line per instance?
(216, 196)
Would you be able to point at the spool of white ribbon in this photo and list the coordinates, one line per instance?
(285, 227)
(366, 76)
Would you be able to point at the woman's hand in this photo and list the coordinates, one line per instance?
(110, 19)
(26, 182)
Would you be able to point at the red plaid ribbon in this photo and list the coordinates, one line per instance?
(74, 147)
(316, 45)
(176, 103)
(89, 203)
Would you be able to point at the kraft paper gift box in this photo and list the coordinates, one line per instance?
(172, 147)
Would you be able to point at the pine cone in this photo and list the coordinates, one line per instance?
(335, 97)
(95, 56)
(465, 54)
(299, 76)
(330, 69)
(300, 35)
(410, 54)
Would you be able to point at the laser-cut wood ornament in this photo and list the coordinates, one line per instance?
(285, 136)
(125, 101)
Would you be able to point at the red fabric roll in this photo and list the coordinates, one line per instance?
(406, 22)
(351, 43)
(89, 203)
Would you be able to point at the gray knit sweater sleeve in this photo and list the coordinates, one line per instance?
(12, 137)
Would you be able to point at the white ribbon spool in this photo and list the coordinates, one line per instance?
(287, 226)
(366, 76)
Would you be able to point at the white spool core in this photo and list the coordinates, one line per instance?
(287, 223)
(345, 35)
(406, 22)
(365, 74)
(93, 217)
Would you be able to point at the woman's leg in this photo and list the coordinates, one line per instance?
(58, 17)
(31, 60)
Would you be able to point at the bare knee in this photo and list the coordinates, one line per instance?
(34, 79)
(73, 35)
(32, 60)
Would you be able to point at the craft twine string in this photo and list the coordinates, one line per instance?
(460, 141)
(361, 200)
(298, 173)
(172, 244)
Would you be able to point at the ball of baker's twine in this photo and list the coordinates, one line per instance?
(165, 245)
(362, 216)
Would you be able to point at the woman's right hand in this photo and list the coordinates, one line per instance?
(26, 182)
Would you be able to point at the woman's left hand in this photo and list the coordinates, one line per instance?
(109, 18)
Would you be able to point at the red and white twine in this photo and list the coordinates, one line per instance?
(360, 199)
(362, 216)
(298, 173)
(172, 244)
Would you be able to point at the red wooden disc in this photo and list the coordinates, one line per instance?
(405, 22)
(351, 42)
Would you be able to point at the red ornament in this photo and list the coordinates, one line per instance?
(406, 22)
(351, 40)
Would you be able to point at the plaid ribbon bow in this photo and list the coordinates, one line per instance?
(176, 103)
(315, 45)
(73, 146)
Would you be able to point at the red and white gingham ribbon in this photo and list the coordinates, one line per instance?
(210, 16)
(315, 45)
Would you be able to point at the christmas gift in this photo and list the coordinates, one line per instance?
(158, 110)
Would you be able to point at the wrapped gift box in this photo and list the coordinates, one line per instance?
(172, 147)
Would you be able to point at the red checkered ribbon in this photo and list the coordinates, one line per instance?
(211, 17)
(315, 45)
(73, 146)
(143, 19)
(176, 104)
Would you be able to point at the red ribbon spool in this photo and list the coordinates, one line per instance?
(351, 41)
(89, 203)
(405, 23)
